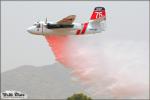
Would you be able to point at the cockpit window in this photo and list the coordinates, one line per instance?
(38, 25)
(34, 24)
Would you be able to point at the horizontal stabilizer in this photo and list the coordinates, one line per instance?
(98, 24)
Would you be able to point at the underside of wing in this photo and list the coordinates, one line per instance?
(67, 20)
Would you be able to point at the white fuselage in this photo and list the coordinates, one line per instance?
(49, 28)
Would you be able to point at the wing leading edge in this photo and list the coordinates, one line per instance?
(67, 20)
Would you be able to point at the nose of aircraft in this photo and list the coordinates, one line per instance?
(29, 30)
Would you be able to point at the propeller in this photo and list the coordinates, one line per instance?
(45, 23)
(46, 20)
(38, 24)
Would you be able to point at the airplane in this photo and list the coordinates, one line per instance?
(66, 26)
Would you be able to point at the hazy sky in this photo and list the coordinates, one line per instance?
(18, 47)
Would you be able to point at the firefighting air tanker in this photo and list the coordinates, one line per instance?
(66, 26)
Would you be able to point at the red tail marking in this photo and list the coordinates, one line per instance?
(98, 14)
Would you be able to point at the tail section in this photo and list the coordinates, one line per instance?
(98, 12)
(98, 19)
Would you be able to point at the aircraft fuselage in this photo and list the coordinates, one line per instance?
(42, 28)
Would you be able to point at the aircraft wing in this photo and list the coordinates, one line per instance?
(67, 20)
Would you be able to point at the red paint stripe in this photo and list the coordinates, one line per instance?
(84, 28)
(78, 32)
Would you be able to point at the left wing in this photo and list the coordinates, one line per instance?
(67, 20)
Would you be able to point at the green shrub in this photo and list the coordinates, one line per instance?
(79, 96)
